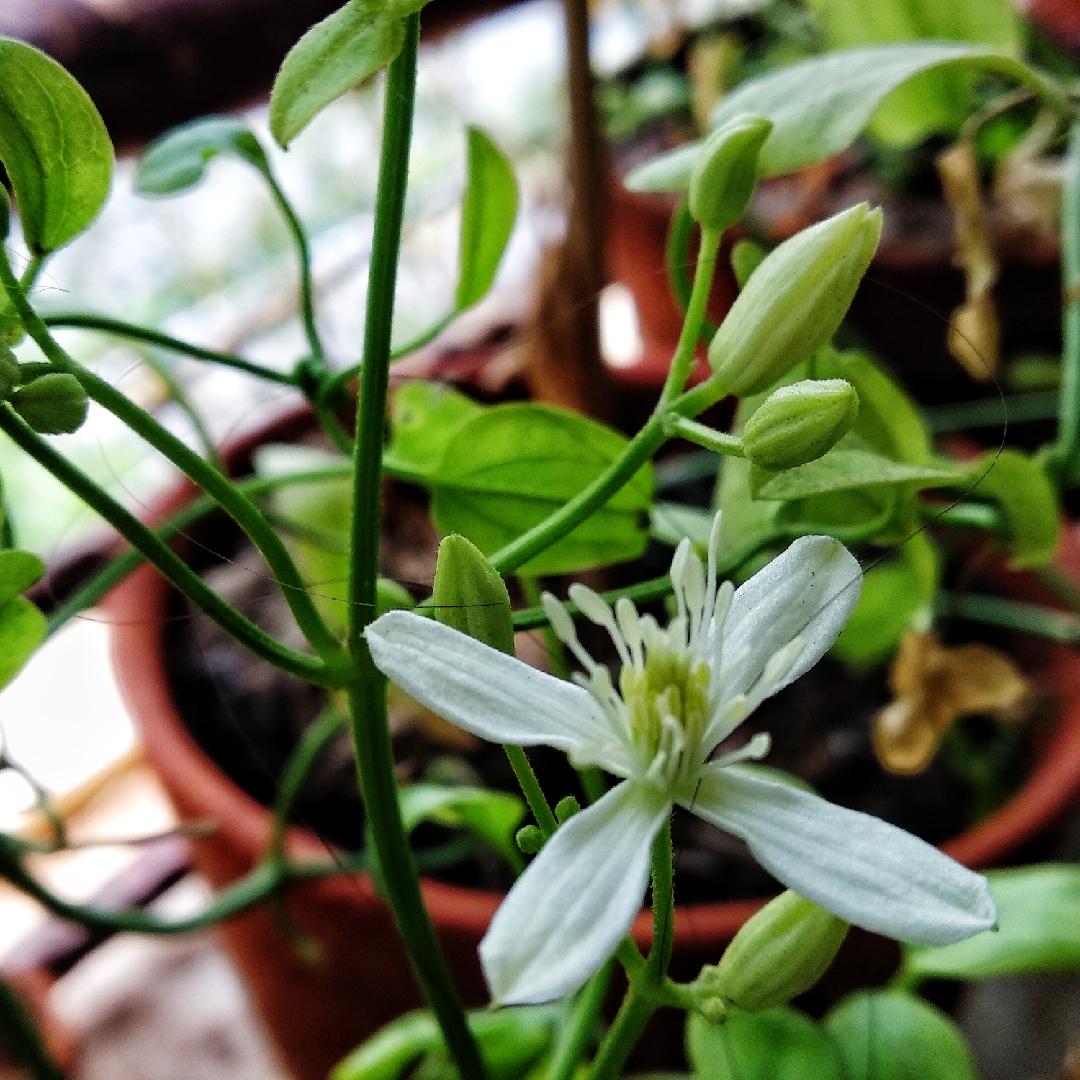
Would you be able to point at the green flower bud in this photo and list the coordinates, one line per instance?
(54, 404)
(470, 595)
(566, 808)
(779, 953)
(794, 301)
(9, 371)
(799, 422)
(746, 257)
(725, 172)
(529, 839)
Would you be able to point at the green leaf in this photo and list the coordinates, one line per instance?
(423, 418)
(670, 522)
(1028, 502)
(509, 1039)
(779, 1044)
(178, 159)
(1038, 930)
(849, 464)
(53, 145)
(894, 595)
(487, 218)
(509, 468)
(891, 1035)
(53, 404)
(22, 630)
(492, 816)
(332, 57)
(818, 107)
(18, 571)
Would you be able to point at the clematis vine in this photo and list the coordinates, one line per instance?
(682, 692)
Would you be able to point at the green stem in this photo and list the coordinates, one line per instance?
(178, 395)
(556, 651)
(164, 341)
(530, 788)
(966, 515)
(19, 1035)
(1062, 460)
(578, 1030)
(303, 251)
(1029, 618)
(663, 905)
(676, 251)
(218, 487)
(367, 691)
(173, 567)
(682, 362)
(992, 412)
(312, 743)
(718, 441)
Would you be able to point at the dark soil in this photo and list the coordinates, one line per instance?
(248, 717)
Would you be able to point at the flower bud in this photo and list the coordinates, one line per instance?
(54, 404)
(779, 952)
(470, 596)
(799, 422)
(794, 301)
(529, 839)
(746, 257)
(9, 371)
(566, 808)
(725, 172)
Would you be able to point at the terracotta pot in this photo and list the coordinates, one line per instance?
(317, 1012)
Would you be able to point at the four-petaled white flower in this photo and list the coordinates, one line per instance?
(682, 691)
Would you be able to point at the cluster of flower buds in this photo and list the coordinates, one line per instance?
(51, 402)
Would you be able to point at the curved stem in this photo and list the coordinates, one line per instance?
(367, 690)
(164, 341)
(171, 565)
(720, 442)
(576, 1033)
(530, 788)
(218, 487)
(20, 1037)
(303, 252)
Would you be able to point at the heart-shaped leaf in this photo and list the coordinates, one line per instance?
(54, 146)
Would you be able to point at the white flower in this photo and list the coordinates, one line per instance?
(682, 691)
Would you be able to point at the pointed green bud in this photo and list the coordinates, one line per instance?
(566, 808)
(779, 953)
(54, 404)
(470, 595)
(799, 422)
(746, 257)
(726, 172)
(529, 839)
(794, 301)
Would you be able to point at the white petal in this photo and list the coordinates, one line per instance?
(808, 591)
(862, 869)
(576, 901)
(485, 691)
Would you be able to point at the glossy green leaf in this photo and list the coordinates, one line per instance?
(509, 468)
(819, 106)
(332, 57)
(53, 145)
(423, 419)
(779, 1044)
(18, 571)
(510, 1040)
(22, 630)
(487, 218)
(895, 594)
(850, 464)
(891, 1035)
(54, 404)
(492, 816)
(1027, 500)
(1038, 930)
(178, 160)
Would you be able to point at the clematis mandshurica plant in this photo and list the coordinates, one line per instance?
(682, 692)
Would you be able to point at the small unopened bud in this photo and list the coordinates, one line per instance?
(470, 596)
(799, 422)
(54, 404)
(725, 172)
(779, 952)
(566, 808)
(529, 839)
(794, 301)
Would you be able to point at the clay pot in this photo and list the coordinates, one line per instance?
(315, 1012)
